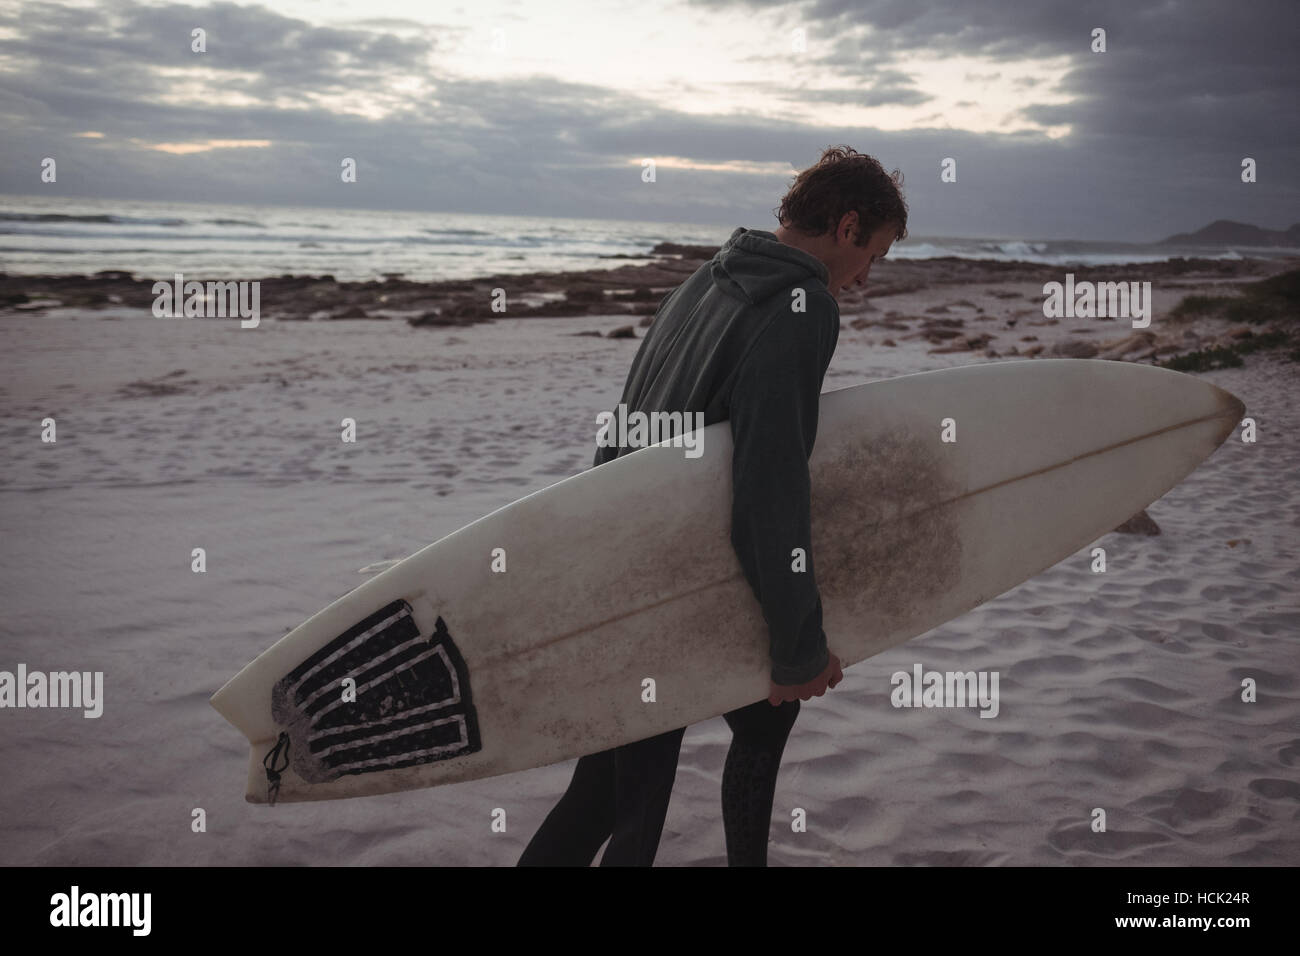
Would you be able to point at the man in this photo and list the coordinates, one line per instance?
(748, 338)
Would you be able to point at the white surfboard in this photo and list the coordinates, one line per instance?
(626, 572)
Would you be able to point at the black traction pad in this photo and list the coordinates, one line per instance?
(413, 703)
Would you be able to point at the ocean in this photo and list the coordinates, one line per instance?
(74, 236)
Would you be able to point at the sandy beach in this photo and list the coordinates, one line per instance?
(1120, 691)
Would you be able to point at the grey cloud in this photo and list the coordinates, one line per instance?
(128, 41)
(1167, 63)
(1158, 127)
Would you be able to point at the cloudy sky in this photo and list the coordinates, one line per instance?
(549, 107)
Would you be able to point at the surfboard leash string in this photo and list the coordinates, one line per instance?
(281, 749)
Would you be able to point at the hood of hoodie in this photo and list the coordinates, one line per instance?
(754, 265)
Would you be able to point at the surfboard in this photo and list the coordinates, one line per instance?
(444, 667)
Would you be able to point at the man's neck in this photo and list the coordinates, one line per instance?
(815, 246)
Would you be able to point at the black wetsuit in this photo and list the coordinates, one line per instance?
(747, 338)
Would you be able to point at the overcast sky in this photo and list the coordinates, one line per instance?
(549, 107)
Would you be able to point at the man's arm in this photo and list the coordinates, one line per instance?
(773, 412)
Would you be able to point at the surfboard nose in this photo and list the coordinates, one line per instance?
(1233, 406)
(1231, 410)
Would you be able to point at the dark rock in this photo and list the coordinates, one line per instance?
(433, 319)
(558, 309)
(1140, 523)
(967, 343)
(1075, 348)
(585, 294)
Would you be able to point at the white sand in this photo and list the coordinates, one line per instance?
(1118, 691)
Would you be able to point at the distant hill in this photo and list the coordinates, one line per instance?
(1226, 232)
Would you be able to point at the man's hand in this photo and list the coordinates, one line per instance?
(814, 688)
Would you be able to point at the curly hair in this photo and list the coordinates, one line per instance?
(844, 181)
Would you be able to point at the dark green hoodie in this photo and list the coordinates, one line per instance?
(728, 342)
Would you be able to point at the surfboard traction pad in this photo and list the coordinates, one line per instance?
(413, 703)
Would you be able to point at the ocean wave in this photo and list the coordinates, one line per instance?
(456, 232)
(1016, 248)
(100, 218)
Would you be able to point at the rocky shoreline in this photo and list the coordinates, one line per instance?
(944, 301)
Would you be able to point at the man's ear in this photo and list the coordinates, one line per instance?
(848, 226)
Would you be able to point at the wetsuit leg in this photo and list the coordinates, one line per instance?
(758, 736)
(643, 784)
(582, 820)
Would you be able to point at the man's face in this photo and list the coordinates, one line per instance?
(852, 263)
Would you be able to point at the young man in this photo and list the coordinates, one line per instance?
(736, 341)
